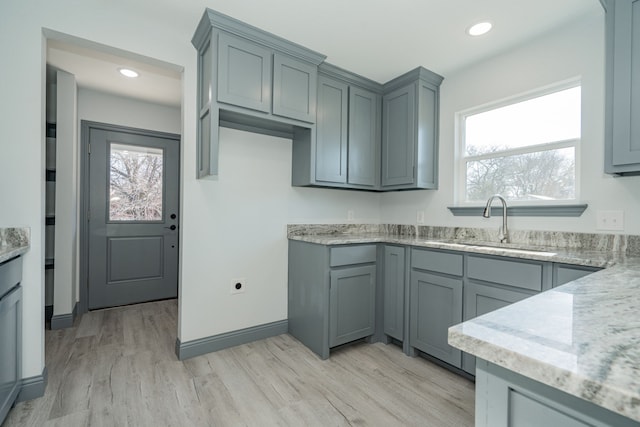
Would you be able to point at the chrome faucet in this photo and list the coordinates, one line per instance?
(504, 232)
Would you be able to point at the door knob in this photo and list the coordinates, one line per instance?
(173, 216)
(173, 227)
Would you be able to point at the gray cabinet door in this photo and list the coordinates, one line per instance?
(394, 283)
(398, 136)
(331, 130)
(482, 299)
(436, 304)
(352, 306)
(623, 87)
(295, 85)
(364, 137)
(10, 349)
(244, 73)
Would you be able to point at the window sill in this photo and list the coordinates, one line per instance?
(533, 210)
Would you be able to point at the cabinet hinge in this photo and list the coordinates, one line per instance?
(89, 149)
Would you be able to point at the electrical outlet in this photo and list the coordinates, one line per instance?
(420, 217)
(238, 286)
(610, 220)
(350, 215)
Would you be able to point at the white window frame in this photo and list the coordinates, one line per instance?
(460, 169)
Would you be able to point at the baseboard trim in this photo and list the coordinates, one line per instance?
(33, 387)
(63, 321)
(213, 343)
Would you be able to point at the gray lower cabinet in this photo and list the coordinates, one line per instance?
(435, 302)
(436, 305)
(347, 144)
(10, 334)
(506, 399)
(331, 294)
(410, 109)
(481, 299)
(565, 273)
(622, 128)
(394, 291)
(352, 304)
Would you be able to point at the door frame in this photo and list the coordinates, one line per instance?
(83, 256)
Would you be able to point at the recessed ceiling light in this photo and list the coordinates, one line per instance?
(128, 72)
(479, 29)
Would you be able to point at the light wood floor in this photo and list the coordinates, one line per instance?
(117, 367)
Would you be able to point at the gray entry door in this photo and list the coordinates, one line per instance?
(133, 216)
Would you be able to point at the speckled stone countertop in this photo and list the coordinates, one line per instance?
(13, 242)
(568, 248)
(582, 338)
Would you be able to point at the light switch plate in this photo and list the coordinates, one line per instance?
(420, 217)
(610, 220)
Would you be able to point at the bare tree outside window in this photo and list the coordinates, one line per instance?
(542, 175)
(135, 189)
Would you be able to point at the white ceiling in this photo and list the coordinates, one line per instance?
(379, 39)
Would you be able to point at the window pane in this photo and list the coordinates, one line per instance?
(545, 175)
(548, 118)
(135, 183)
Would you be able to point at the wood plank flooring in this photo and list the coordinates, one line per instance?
(117, 367)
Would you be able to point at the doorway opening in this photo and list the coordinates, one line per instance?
(84, 84)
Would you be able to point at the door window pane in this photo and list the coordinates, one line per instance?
(135, 183)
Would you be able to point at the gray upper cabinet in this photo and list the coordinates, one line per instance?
(364, 137)
(331, 131)
(244, 73)
(346, 150)
(410, 115)
(294, 88)
(399, 137)
(251, 80)
(622, 128)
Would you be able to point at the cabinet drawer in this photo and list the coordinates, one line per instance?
(567, 273)
(347, 255)
(10, 274)
(511, 273)
(440, 262)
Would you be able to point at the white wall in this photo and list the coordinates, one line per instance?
(240, 223)
(103, 107)
(577, 50)
(65, 278)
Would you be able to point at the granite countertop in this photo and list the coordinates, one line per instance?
(13, 242)
(582, 338)
(592, 258)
